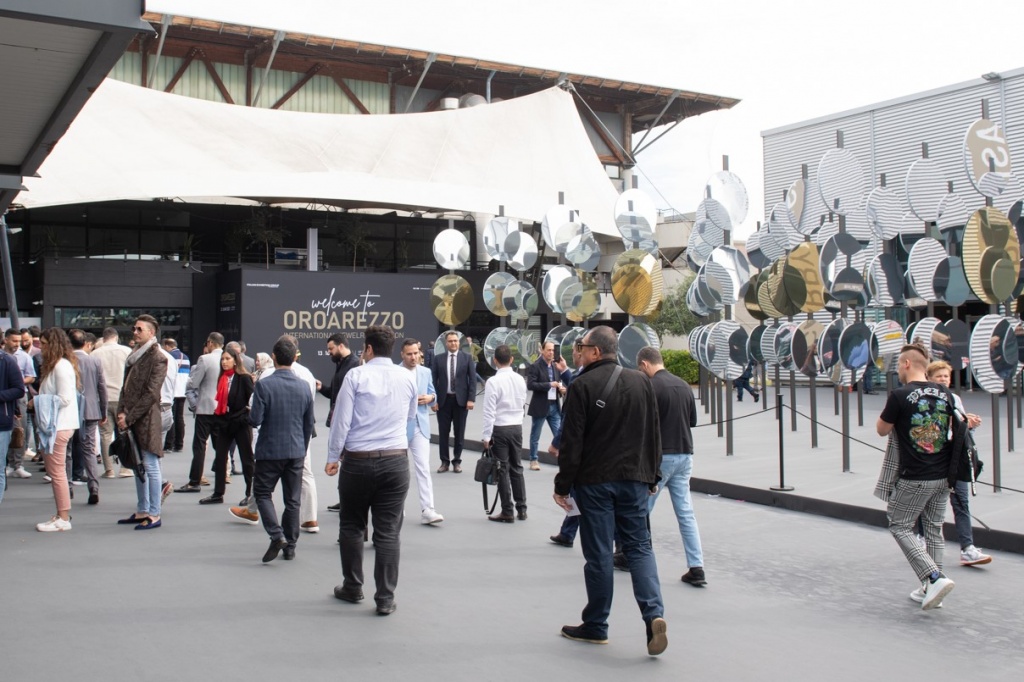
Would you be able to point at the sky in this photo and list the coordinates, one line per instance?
(787, 60)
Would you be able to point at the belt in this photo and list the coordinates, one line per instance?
(375, 454)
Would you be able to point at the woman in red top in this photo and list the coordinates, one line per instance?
(231, 424)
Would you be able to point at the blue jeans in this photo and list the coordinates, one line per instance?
(959, 497)
(148, 490)
(675, 477)
(554, 420)
(5, 442)
(606, 509)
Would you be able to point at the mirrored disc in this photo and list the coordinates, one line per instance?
(583, 251)
(784, 345)
(554, 283)
(495, 233)
(994, 352)
(806, 341)
(885, 280)
(829, 342)
(950, 282)
(636, 217)
(556, 335)
(581, 300)
(922, 264)
(925, 187)
(841, 180)
(494, 289)
(884, 212)
(713, 220)
(922, 333)
(796, 197)
(728, 190)
(754, 344)
(730, 341)
(886, 341)
(451, 249)
(804, 263)
(768, 344)
(451, 299)
(754, 255)
(568, 341)
(987, 157)
(521, 251)
(554, 219)
(951, 341)
(855, 346)
(736, 266)
(991, 255)
(751, 303)
(439, 347)
(953, 213)
(637, 282)
(528, 347)
(632, 338)
(520, 299)
(495, 338)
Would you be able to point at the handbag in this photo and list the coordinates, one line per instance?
(125, 449)
(486, 473)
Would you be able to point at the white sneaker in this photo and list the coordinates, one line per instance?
(8, 471)
(429, 517)
(47, 478)
(918, 596)
(936, 591)
(54, 524)
(29, 452)
(972, 556)
(19, 473)
(921, 541)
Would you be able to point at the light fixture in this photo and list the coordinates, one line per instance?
(992, 76)
(13, 230)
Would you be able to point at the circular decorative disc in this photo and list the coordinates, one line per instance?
(451, 299)
(520, 299)
(521, 251)
(923, 331)
(754, 344)
(727, 189)
(841, 180)
(494, 289)
(729, 336)
(495, 233)
(987, 157)
(632, 338)
(989, 239)
(636, 282)
(994, 351)
(796, 197)
(439, 347)
(583, 251)
(451, 249)
(806, 341)
(884, 211)
(885, 281)
(581, 300)
(636, 217)
(855, 346)
(495, 338)
(951, 342)
(554, 283)
(554, 219)
(768, 344)
(829, 343)
(783, 342)
(922, 265)
(886, 342)
(926, 185)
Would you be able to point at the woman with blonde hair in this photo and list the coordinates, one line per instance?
(57, 416)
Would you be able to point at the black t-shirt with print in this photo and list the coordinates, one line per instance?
(922, 414)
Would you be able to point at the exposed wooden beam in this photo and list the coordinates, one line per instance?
(216, 78)
(598, 127)
(340, 82)
(306, 77)
(189, 58)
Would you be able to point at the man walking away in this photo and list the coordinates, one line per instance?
(94, 412)
(369, 444)
(112, 356)
(504, 397)
(201, 393)
(175, 441)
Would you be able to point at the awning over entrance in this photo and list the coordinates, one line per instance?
(133, 143)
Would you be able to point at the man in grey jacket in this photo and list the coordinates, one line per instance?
(201, 394)
(85, 442)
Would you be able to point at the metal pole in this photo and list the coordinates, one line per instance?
(764, 386)
(728, 421)
(860, 398)
(5, 257)
(846, 432)
(792, 398)
(1020, 396)
(719, 397)
(997, 469)
(1009, 414)
(782, 459)
(814, 413)
(838, 388)
(711, 399)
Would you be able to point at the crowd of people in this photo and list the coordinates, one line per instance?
(620, 436)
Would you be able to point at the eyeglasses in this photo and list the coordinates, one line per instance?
(138, 329)
(579, 345)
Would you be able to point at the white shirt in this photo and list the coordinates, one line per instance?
(167, 389)
(375, 403)
(61, 382)
(504, 398)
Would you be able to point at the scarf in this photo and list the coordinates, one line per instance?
(139, 352)
(222, 391)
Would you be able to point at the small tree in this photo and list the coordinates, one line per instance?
(357, 238)
(261, 230)
(676, 318)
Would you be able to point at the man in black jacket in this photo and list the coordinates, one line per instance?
(610, 454)
(454, 376)
(545, 384)
(341, 355)
(677, 414)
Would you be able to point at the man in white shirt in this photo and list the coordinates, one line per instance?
(504, 398)
(112, 356)
(369, 444)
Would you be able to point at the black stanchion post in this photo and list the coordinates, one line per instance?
(1009, 414)
(838, 388)
(721, 410)
(728, 418)
(846, 429)
(711, 399)
(860, 397)
(778, 389)
(997, 467)
(792, 399)
(782, 450)
(764, 389)
(814, 413)
(1020, 396)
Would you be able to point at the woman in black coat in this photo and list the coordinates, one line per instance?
(231, 424)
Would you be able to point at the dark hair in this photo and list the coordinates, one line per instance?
(77, 339)
(12, 332)
(502, 355)
(151, 321)
(90, 337)
(237, 357)
(35, 331)
(284, 351)
(109, 333)
(170, 343)
(381, 339)
(215, 339)
(338, 339)
(410, 342)
(451, 333)
(605, 340)
(58, 348)
(651, 355)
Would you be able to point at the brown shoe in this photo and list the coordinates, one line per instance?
(244, 515)
(443, 468)
(457, 468)
(502, 518)
(310, 527)
(534, 465)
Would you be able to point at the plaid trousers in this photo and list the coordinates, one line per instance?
(927, 500)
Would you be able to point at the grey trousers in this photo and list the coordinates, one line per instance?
(107, 434)
(86, 439)
(909, 501)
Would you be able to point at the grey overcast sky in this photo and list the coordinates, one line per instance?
(787, 60)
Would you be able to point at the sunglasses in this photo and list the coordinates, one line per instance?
(138, 329)
(579, 345)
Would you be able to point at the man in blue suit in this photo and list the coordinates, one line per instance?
(455, 378)
(419, 430)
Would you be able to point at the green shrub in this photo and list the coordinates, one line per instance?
(680, 363)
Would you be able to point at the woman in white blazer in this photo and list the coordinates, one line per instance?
(60, 379)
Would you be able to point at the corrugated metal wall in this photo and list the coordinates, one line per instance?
(320, 95)
(887, 138)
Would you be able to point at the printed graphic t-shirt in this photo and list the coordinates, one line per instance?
(922, 414)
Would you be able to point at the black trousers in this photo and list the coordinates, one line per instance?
(379, 485)
(204, 426)
(267, 473)
(175, 439)
(448, 415)
(506, 448)
(228, 431)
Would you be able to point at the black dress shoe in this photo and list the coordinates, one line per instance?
(561, 540)
(289, 553)
(521, 515)
(457, 468)
(350, 595)
(188, 488)
(334, 507)
(443, 468)
(94, 498)
(212, 499)
(275, 548)
(386, 608)
(502, 518)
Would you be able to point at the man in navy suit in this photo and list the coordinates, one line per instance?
(454, 378)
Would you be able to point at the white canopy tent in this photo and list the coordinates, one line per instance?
(134, 143)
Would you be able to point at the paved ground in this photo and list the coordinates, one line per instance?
(790, 596)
